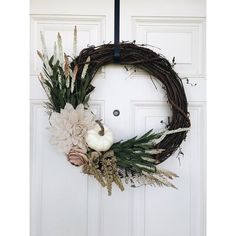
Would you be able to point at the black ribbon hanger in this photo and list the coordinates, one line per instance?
(117, 31)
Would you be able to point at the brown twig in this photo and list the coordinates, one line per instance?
(101, 132)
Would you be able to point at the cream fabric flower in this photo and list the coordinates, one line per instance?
(70, 126)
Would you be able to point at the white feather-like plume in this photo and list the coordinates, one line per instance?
(170, 132)
(85, 68)
(60, 49)
(44, 47)
(44, 54)
(75, 43)
(55, 56)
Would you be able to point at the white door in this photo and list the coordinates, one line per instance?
(66, 202)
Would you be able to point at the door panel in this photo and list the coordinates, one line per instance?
(64, 201)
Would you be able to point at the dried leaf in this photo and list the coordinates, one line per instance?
(40, 55)
(67, 71)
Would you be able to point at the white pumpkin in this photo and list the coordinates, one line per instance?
(100, 138)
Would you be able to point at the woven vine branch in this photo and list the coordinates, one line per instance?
(86, 140)
(155, 65)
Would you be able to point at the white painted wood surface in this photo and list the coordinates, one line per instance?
(65, 202)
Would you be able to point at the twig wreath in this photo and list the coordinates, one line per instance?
(86, 141)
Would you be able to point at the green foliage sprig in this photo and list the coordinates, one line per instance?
(61, 80)
(137, 154)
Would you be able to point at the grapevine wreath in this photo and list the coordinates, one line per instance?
(86, 140)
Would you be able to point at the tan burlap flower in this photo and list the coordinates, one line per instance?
(70, 126)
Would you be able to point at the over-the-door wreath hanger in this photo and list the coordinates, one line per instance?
(87, 141)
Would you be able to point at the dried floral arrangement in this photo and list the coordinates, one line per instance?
(86, 140)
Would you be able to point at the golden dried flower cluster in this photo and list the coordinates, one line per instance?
(104, 168)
